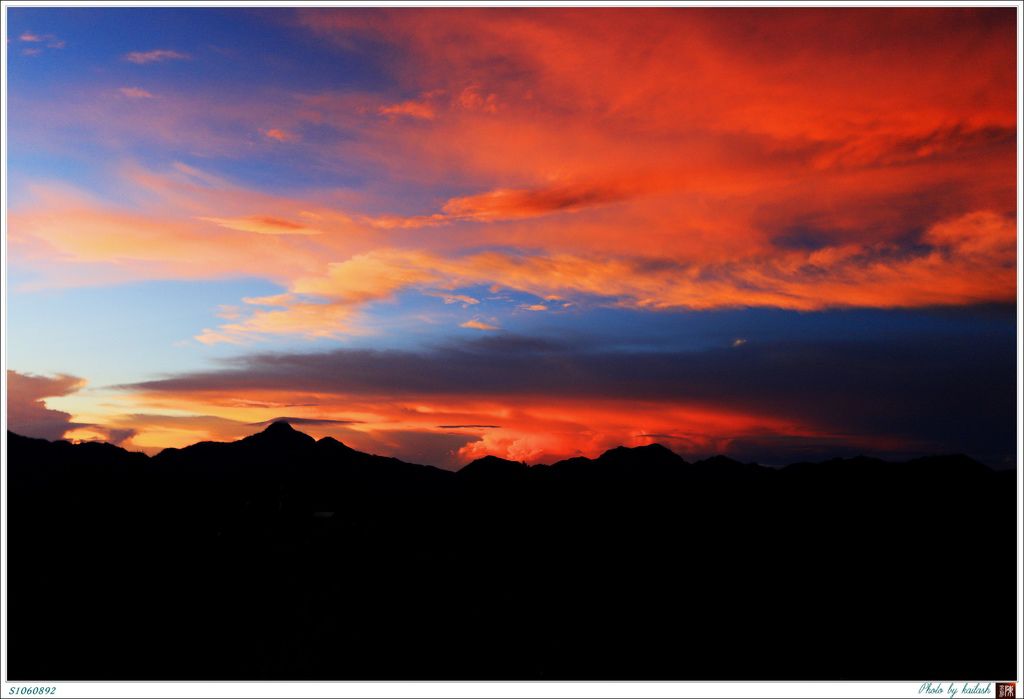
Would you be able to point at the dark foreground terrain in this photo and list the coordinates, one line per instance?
(279, 557)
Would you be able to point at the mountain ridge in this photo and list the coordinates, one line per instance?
(280, 439)
(278, 556)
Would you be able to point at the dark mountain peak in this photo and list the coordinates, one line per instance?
(20, 439)
(332, 443)
(572, 462)
(616, 452)
(279, 435)
(838, 463)
(721, 466)
(947, 466)
(950, 460)
(648, 453)
(279, 427)
(719, 460)
(490, 460)
(493, 468)
(51, 463)
(622, 462)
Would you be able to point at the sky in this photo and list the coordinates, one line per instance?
(774, 233)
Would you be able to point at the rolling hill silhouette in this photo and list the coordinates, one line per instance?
(284, 557)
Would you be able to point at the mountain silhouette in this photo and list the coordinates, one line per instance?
(493, 468)
(279, 435)
(283, 557)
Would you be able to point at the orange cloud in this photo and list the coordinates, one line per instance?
(279, 135)
(539, 433)
(504, 204)
(275, 300)
(471, 98)
(513, 204)
(266, 225)
(311, 320)
(798, 158)
(533, 429)
(860, 149)
(192, 226)
(85, 239)
(971, 260)
(409, 108)
(579, 101)
(346, 286)
(746, 66)
(478, 325)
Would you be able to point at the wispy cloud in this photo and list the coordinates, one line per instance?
(965, 260)
(450, 298)
(478, 325)
(469, 427)
(154, 56)
(280, 135)
(275, 300)
(39, 41)
(409, 108)
(266, 225)
(136, 93)
(155, 244)
(50, 40)
(512, 204)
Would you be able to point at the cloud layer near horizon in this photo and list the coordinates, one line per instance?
(541, 400)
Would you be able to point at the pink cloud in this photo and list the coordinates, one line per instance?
(154, 56)
(136, 93)
(50, 40)
(27, 412)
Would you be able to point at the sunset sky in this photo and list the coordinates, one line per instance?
(532, 232)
